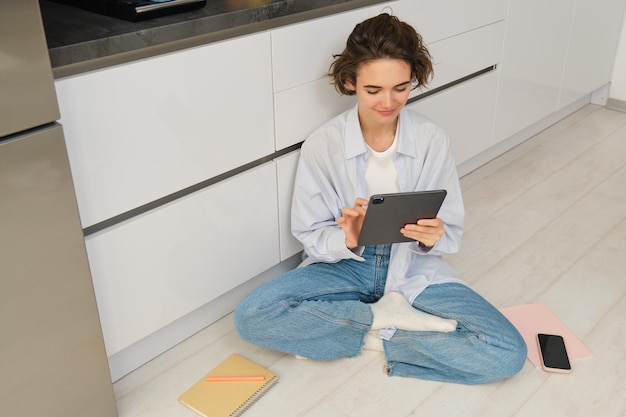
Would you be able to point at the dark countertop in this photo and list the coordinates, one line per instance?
(80, 41)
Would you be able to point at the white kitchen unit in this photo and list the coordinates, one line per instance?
(465, 110)
(463, 55)
(592, 46)
(164, 264)
(437, 20)
(535, 47)
(302, 53)
(300, 110)
(466, 113)
(141, 131)
(555, 53)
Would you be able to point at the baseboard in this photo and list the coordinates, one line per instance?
(615, 104)
(148, 348)
(601, 95)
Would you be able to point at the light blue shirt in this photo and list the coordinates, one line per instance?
(331, 175)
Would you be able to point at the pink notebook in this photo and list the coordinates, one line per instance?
(530, 319)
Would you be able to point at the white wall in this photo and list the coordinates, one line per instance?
(617, 92)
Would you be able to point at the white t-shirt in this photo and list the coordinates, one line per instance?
(381, 175)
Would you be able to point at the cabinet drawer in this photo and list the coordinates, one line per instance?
(441, 19)
(140, 131)
(466, 112)
(160, 266)
(300, 110)
(303, 52)
(465, 54)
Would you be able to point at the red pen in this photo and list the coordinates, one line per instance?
(235, 378)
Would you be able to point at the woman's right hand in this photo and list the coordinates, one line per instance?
(351, 222)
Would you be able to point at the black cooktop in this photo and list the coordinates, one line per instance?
(135, 10)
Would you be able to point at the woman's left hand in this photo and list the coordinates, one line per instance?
(426, 231)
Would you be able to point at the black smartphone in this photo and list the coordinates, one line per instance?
(553, 353)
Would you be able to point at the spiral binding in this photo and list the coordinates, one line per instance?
(255, 397)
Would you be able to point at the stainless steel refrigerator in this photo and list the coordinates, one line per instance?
(52, 357)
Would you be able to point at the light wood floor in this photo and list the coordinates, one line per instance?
(546, 222)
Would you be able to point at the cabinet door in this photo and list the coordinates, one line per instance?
(592, 46)
(143, 130)
(286, 170)
(302, 52)
(300, 110)
(160, 266)
(440, 19)
(532, 63)
(466, 112)
(465, 54)
(301, 56)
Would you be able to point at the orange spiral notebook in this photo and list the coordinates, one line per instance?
(229, 398)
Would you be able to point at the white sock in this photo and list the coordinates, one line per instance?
(393, 310)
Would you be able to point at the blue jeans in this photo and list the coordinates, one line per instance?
(321, 312)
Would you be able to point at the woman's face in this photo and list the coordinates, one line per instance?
(382, 88)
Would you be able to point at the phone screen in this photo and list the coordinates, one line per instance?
(553, 352)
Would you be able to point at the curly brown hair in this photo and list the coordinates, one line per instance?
(380, 37)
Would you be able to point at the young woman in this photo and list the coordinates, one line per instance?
(435, 327)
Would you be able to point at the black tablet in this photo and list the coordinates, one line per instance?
(387, 213)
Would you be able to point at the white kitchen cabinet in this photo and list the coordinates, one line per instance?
(465, 54)
(592, 47)
(303, 52)
(555, 53)
(300, 110)
(286, 171)
(160, 266)
(534, 53)
(440, 19)
(466, 113)
(146, 129)
(304, 97)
